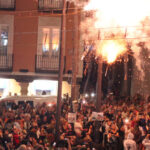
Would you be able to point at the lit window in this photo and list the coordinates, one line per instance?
(46, 43)
(3, 39)
(50, 41)
(55, 40)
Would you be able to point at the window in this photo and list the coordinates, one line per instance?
(3, 39)
(7, 4)
(50, 4)
(50, 41)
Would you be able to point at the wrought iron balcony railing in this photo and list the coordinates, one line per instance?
(47, 5)
(7, 4)
(6, 62)
(47, 63)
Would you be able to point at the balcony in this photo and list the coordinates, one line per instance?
(47, 63)
(50, 5)
(7, 4)
(6, 62)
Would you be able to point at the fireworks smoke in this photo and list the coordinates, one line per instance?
(113, 24)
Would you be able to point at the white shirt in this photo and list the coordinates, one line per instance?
(78, 128)
(146, 143)
(129, 144)
(127, 131)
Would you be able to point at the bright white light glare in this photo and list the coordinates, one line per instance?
(86, 95)
(49, 104)
(92, 94)
(4, 83)
(126, 120)
(82, 58)
(84, 102)
(46, 85)
(5, 86)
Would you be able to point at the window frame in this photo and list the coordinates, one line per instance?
(11, 5)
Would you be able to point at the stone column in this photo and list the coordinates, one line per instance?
(77, 92)
(24, 88)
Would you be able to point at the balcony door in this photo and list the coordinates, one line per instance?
(4, 58)
(48, 48)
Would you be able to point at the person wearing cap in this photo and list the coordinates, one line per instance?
(129, 143)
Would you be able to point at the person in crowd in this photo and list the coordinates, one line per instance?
(146, 142)
(16, 137)
(126, 125)
(113, 137)
(129, 143)
(78, 126)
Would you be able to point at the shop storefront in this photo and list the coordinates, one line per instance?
(10, 87)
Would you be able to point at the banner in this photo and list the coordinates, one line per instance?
(99, 116)
(71, 117)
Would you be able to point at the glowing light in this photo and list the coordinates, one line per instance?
(46, 46)
(45, 85)
(55, 39)
(9, 86)
(50, 105)
(46, 39)
(119, 12)
(86, 95)
(111, 49)
(126, 120)
(55, 47)
(130, 19)
(92, 94)
(84, 102)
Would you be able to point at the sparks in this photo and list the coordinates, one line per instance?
(129, 19)
(111, 49)
(119, 12)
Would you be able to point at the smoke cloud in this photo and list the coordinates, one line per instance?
(127, 20)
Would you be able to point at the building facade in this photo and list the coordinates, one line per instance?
(30, 39)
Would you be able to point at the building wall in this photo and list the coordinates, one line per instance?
(25, 43)
(25, 39)
(70, 41)
(24, 36)
(25, 5)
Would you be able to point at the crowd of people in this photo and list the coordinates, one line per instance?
(125, 125)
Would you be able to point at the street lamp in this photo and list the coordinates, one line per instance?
(61, 66)
(99, 81)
